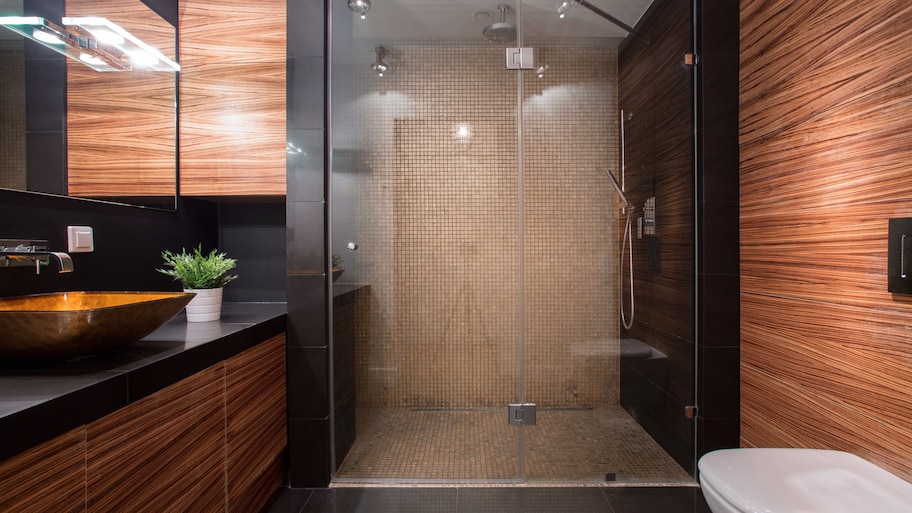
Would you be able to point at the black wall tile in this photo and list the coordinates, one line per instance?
(306, 237)
(45, 154)
(305, 162)
(45, 94)
(720, 314)
(305, 28)
(128, 241)
(308, 449)
(308, 383)
(307, 311)
(719, 376)
(305, 97)
(254, 234)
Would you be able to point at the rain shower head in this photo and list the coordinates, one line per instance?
(500, 32)
(360, 6)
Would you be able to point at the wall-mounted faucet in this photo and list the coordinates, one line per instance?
(24, 252)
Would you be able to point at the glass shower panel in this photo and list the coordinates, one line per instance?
(425, 186)
(573, 228)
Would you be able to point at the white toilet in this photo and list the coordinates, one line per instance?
(799, 481)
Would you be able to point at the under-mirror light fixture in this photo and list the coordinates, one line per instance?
(360, 7)
(96, 42)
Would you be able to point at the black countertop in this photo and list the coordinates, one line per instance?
(41, 399)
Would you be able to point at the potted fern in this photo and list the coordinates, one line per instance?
(204, 275)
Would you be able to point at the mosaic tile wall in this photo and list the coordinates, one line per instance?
(12, 120)
(449, 227)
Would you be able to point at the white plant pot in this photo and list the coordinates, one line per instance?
(206, 306)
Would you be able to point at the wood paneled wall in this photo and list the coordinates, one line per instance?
(826, 147)
(232, 94)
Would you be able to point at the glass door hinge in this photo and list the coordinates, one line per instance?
(521, 414)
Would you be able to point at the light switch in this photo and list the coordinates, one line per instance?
(80, 239)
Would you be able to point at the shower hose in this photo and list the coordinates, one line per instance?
(628, 242)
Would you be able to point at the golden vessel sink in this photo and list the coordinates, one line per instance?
(82, 323)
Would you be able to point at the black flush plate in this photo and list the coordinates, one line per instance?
(899, 256)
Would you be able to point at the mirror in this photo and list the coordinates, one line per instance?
(67, 129)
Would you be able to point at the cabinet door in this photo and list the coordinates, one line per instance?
(49, 477)
(162, 453)
(232, 97)
(256, 421)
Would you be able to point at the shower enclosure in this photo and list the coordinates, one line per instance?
(476, 331)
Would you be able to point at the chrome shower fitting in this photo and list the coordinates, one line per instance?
(360, 7)
(380, 67)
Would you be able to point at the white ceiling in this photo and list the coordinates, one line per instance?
(465, 19)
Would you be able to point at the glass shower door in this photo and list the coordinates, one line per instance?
(425, 187)
(610, 395)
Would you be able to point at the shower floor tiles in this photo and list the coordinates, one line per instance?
(565, 447)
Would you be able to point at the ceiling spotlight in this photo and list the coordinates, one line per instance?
(563, 7)
(360, 6)
(380, 67)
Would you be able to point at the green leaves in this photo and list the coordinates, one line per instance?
(197, 271)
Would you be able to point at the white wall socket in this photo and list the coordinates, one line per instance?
(80, 239)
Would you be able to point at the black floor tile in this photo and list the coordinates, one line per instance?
(291, 500)
(382, 500)
(663, 499)
(532, 500)
(493, 500)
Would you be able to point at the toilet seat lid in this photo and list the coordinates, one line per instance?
(803, 480)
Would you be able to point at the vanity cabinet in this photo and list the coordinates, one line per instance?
(213, 441)
(50, 477)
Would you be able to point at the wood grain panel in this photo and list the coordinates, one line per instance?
(122, 127)
(232, 97)
(50, 477)
(233, 129)
(232, 31)
(256, 420)
(768, 420)
(162, 453)
(825, 152)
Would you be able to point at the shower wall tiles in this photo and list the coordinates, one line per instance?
(442, 240)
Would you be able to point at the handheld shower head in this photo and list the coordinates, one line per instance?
(617, 187)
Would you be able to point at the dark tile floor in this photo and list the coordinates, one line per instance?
(491, 500)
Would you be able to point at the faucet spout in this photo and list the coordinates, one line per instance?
(64, 262)
(21, 253)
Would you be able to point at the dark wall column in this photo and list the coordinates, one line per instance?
(308, 349)
(718, 211)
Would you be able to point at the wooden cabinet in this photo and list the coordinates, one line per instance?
(162, 453)
(50, 477)
(211, 442)
(232, 97)
(255, 425)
